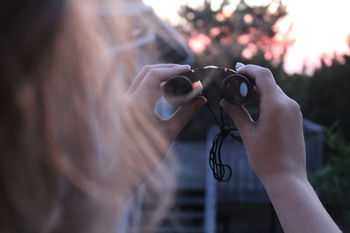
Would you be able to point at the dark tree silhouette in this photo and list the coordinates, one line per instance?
(328, 95)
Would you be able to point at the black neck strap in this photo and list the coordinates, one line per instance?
(221, 171)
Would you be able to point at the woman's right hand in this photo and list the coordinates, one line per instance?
(275, 142)
(276, 150)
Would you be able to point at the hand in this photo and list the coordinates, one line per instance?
(145, 138)
(276, 150)
(275, 142)
(146, 90)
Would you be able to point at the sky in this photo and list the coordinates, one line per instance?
(318, 27)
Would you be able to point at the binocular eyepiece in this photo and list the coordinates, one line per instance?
(235, 88)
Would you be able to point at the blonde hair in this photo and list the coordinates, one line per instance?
(78, 154)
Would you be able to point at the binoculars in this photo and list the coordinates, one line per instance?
(234, 87)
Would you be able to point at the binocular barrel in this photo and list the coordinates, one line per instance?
(235, 88)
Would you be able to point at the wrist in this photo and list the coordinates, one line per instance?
(297, 205)
(278, 183)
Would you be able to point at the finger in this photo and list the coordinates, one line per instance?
(264, 80)
(256, 92)
(183, 115)
(144, 71)
(155, 76)
(239, 65)
(240, 116)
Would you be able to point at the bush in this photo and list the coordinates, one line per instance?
(333, 180)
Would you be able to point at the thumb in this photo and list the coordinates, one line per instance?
(183, 115)
(239, 115)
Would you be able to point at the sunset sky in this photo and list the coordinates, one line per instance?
(318, 26)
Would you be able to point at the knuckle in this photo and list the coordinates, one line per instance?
(285, 106)
(146, 68)
(293, 105)
(249, 67)
(154, 72)
(265, 72)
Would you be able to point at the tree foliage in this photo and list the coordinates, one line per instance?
(328, 95)
(222, 36)
(332, 181)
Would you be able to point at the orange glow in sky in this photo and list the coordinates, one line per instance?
(318, 27)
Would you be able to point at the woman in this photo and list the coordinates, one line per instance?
(76, 140)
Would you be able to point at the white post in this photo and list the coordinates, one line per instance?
(210, 194)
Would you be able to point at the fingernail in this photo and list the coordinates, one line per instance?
(239, 65)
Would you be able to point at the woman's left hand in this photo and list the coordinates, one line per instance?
(142, 96)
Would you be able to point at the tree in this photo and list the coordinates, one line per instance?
(221, 36)
(229, 34)
(328, 94)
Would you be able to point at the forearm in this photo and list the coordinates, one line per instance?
(297, 206)
(276, 151)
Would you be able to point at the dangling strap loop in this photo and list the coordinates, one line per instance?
(221, 172)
